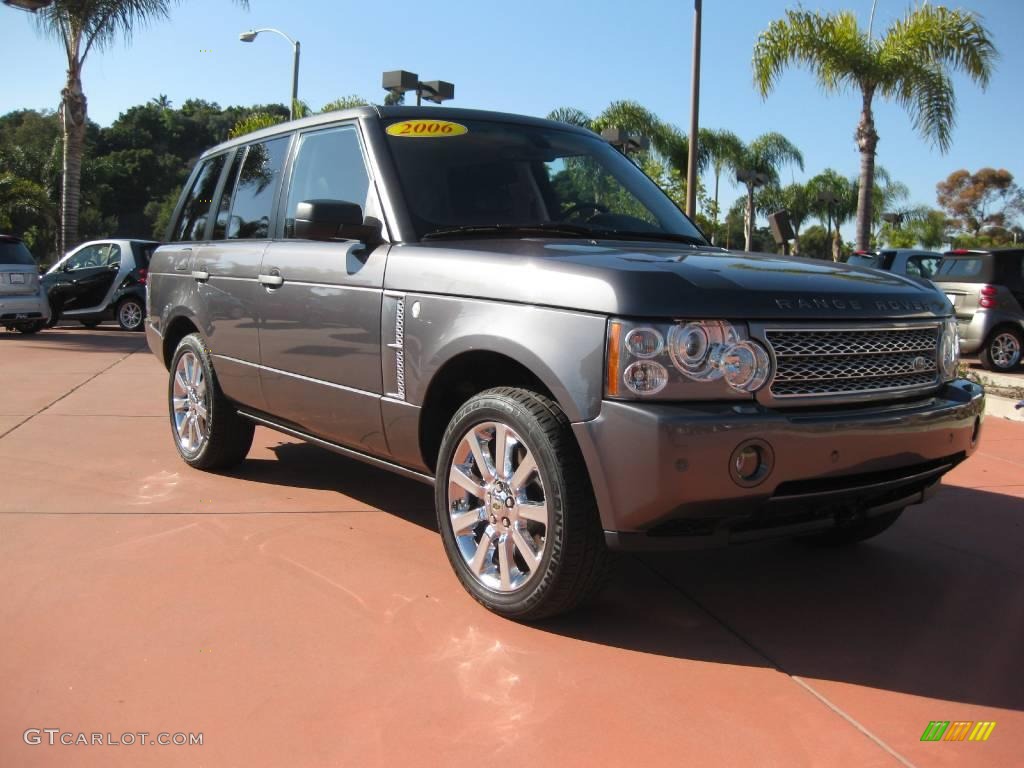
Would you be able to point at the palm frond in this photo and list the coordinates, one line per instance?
(572, 116)
(829, 45)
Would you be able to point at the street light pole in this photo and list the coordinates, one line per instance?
(691, 163)
(248, 37)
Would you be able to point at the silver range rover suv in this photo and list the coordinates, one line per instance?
(508, 309)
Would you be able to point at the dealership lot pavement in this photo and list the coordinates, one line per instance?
(300, 612)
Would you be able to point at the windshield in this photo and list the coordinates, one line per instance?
(15, 252)
(484, 177)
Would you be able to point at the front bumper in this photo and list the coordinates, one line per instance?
(33, 306)
(662, 473)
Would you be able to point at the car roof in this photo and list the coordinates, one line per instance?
(962, 253)
(386, 113)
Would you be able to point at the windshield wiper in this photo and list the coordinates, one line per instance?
(514, 230)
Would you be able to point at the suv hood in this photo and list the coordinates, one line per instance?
(654, 280)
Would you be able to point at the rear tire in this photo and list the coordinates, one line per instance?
(130, 315)
(863, 530)
(30, 328)
(207, 430)
(1002, 350)
(522, 533)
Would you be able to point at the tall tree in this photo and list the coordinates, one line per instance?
(910, 64)
(723, 149)
(764, 156)
(81, 26)
(988, 198)
(834, 201)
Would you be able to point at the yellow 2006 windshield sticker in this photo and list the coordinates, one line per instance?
(426, 129)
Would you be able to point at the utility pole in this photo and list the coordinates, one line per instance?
(691, 163)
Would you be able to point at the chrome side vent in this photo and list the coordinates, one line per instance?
(394, 304)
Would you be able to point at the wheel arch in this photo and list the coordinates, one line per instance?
(461, 377)
(177, 329)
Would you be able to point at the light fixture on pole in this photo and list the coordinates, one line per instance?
(400, 81)
(896, 219)
(625, 142)
(248, 37)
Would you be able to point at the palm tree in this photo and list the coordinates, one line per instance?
(81, 26)
(723, 150)
(911, 64)
(834, 201)
(758, 164)
(667, 141)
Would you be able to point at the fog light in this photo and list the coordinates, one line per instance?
(751, 463)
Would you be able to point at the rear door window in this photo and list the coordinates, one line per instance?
(328, 165)
(259, 177)
(195, 212)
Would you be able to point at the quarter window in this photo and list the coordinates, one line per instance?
(253, 199)
(192, 222)
(328, 166)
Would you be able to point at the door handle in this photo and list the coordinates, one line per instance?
(200, 276)
(271, 281)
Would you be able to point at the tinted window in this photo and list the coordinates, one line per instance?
(258, 180)
(143, 253)
(873, 260)
(329, 166)
(94, 256)
(14, 252)
(953, 268)
(503, 174)
(192, 224)
(922, 266)
(220, 226)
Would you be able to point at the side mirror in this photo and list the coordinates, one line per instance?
(334, 220)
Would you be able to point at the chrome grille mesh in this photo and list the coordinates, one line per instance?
(816, 362)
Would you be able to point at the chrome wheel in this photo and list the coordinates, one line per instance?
(129, 315)
(497, 507)
(190, 403)
(1005, 350)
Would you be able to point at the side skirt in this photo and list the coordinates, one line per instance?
(366, 458)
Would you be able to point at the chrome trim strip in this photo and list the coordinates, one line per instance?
(352, 454)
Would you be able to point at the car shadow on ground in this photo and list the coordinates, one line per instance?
(932, 608)
(101, 339)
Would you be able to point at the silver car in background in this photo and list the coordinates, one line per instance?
(23, 304)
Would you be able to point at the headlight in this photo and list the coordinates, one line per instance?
(685, 360)
(949, 350)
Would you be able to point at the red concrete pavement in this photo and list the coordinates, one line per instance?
(301, 612)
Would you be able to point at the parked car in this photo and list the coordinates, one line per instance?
(23, 305)
(986, 288)
(507, 309)
(101, 280)
(902, 261)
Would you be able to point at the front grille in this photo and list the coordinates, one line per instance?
(816, 362)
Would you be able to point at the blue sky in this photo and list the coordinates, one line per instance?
(529, 57)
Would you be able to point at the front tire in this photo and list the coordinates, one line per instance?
(130, 315)
(90, 324)
(208, 432)
(515, 507)
(1002, 351)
